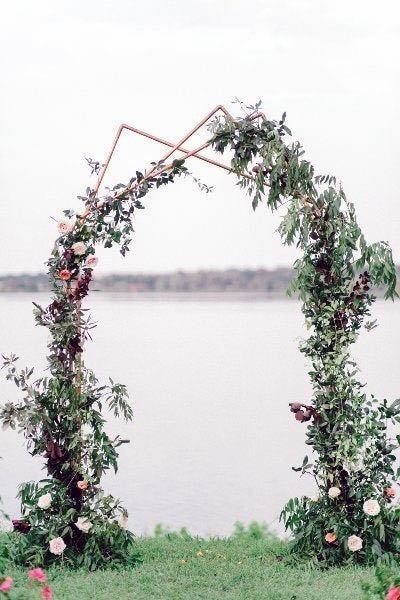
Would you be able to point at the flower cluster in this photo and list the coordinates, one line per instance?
(37, 578)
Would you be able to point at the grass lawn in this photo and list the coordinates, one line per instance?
(246, 566)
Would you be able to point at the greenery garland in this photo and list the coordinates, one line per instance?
(352, 518)
(67, 515)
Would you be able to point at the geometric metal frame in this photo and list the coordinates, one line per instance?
(178, 147)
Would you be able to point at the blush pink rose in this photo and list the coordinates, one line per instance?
(91, 262)
(393, 594)
(66, 226)
(79, 248)
(389, 492)
(6, 584)
(47, 593)
(82, 485)
(37, 574)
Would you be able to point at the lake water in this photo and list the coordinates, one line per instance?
(210, 379)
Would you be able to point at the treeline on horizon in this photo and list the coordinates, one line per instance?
(268, 281)
(229, 280)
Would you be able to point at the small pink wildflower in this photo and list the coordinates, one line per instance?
(6, 584)
(37, 574)
(47, 593)
(393, 594)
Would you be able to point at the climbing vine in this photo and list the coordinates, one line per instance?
(67, 515)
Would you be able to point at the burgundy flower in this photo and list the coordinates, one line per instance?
(299, 416)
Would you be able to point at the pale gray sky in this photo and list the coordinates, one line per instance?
(73, 70)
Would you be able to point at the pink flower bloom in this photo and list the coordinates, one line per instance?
(47, 593)
(79, 248)
(389, 492)
(37, 574)
(393, 594)
(66, 226)
(65, 275)
(6, 584)
(91, 262)
(82, 485)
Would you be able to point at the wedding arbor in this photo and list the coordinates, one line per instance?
(67, 515)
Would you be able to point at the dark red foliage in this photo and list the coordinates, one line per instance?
(21, 526)
(53, 450)
(82, 286)
(75, 346)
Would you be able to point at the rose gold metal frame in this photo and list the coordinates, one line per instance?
(174, 147)
(153, 172)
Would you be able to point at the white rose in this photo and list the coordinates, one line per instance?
(334, 492)
(315, 498)
(79, 248)
(66, 226)
(83, 524)
(57, 545)
(354, 543)
(122, 520)
(371, 507)
(44, 501)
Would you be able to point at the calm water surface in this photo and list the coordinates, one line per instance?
(210, 379)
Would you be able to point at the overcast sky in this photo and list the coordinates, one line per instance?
(73, 70)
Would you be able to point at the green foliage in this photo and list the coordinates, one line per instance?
(107, 544)
(387, 580)
(347, 432)
(61, 415)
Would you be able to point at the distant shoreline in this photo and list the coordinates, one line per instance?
(274, 281)
(198, 297)
(269, 283)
